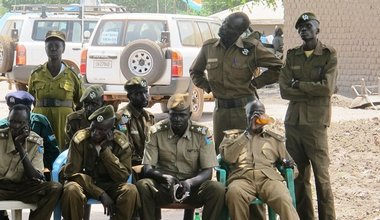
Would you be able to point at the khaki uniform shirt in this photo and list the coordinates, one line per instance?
(89, 168)
(230, 71)
(66, 86)
(74, 122)
(245, 152)
(317, 74)
(182, 157)
(11, 167)
(135, 125)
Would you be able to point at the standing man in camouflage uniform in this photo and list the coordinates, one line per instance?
(55, 86)
(98, 166)
(231, 63)
(38, 123)
(253, 155)
(180, 153)
(21, 166)
(308, 81)
(92, 99)
(134, 120)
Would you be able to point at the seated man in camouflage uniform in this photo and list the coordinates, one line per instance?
(253, 156)
(92, 99)
(134, 120)
(98, 166)
(21, 166)
(180, 153)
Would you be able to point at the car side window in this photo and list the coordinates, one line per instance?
(214, 29)
(204, 30)
(109, 34)
(144, 30)
(43, 26)
(187, 33)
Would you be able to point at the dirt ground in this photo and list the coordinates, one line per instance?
(355, 165)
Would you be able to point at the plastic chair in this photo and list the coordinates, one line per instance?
(222, 173)
(57, 165)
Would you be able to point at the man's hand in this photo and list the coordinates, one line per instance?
(287, 163)
(20, 140)
(108, 204)
(169, 180)
(295, 84)
(186, 187)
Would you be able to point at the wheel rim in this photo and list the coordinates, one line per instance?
(140, 62)
(195, 101)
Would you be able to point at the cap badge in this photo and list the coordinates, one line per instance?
(12, 100)
(245, 51)
(143, 83)
(99, 118)
(305, 17)
(92, 95)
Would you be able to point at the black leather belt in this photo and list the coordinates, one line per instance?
(233, 103)
(54, 103)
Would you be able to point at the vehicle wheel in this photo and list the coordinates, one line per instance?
(6, 54)
(197, 103)
(143, 58)
(21, 86)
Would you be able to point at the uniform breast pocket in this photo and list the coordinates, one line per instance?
(268, 152)
(68, 88)
(316, 73)
(212, 69)
(166, 157)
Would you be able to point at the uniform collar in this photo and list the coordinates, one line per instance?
(134, 111)
(186, 135)
(318, 50)
(239, 43)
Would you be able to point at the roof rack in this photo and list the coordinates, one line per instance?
(75, 9)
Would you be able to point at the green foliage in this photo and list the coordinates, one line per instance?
(150, 6)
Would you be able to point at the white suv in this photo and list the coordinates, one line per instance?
(22, 46)
(158, 47)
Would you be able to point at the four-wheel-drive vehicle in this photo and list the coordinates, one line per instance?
(22, 35)
(158, 47)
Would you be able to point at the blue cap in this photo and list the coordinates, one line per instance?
(19, 97)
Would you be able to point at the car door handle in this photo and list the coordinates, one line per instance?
(76, 48)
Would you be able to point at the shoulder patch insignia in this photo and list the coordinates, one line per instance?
(40, 149)
(275, 136)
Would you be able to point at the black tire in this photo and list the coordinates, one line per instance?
(6, 54)
(197, 103)
(143, 58)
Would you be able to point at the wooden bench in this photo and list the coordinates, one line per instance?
(16, 208)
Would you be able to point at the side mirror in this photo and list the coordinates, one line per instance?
(86, 35)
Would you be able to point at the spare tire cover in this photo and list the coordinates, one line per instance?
(143, 58)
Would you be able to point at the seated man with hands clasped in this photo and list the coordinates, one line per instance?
(178, 160)
(253, 155)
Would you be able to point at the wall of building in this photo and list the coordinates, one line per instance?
(352, 27)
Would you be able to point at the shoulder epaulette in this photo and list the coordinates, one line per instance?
(75, 115)
(250, 42)
(160, 126)
(81, 135)
(200, 129)
(293, 49)
(329, 48)
(120, 138)
(39, 67)
(233, 133)
(4, 132)
(275, 136)
(210, 41)
(35, 138)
